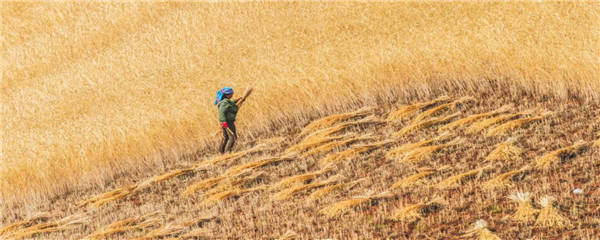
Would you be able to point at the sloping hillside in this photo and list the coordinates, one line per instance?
(450, 167)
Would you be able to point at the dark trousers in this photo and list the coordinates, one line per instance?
(229, 137)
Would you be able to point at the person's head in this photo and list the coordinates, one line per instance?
(227, 92)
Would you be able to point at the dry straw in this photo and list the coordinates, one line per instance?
(554, 157)
(333, 119)
(525, 212)
(480, 229)
(549, 216)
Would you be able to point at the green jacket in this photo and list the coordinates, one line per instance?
(227, 110)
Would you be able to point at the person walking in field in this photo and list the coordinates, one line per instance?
(228, 109)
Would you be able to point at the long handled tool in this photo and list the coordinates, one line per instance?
(243, 98)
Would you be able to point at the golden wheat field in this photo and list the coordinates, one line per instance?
(401, 120)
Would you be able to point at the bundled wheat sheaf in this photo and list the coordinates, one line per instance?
(525, 212)
(480, 229)
(549, 216)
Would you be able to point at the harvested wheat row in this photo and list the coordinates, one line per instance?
(525, 212)
(457, 179)
(29, 221)
(212, 198)
(286, 182)
(504, 128)
(234, 182)
(341, 207)
(547, 160)
(301, 146)
(414, 212)
(290, 192)
(113, 228)
(486, 123)
(549, 216)
(163, 231)
(505, 151)
(370, 120)
(33, 230)
(401, 150)
(353, 152)
(332, 119)
(256, 164)
(443, 107)
(480, 229)
(415, 126)
(231, 156)
(203, 185)
(463, 122)
(407, 110)
(424, 153)
(166, 176)
(411, 180)
(318, 194)
(332, 145)
(502, 180)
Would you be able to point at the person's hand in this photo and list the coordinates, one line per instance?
(224, 124)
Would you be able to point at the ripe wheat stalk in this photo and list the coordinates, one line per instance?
(415, 126)
(464, 122)
(338, 208)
